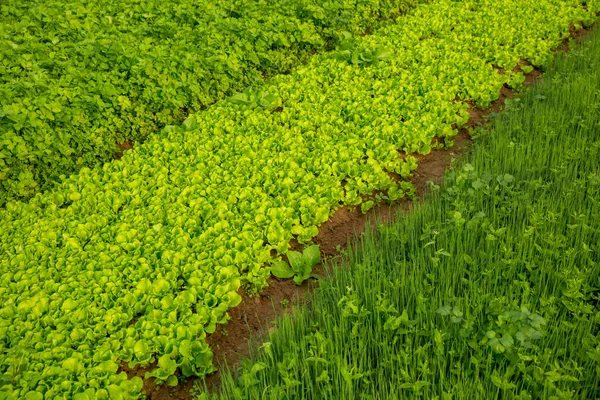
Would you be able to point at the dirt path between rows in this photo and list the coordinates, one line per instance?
(255, 316)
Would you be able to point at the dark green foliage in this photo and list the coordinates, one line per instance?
(78, 77)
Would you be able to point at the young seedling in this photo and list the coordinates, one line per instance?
(300, 266)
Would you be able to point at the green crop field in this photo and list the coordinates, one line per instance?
(135, 262)
(489, 290)
(78, 77)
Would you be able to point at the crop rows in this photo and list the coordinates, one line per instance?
(76, 77)
(488, 290)
(138, 260)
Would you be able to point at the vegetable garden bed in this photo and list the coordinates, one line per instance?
(256, 317)
(78, 77)
(489, 289)
(138, 260)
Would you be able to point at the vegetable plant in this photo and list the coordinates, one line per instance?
(488, 289)
(300, 265)
(137, 261)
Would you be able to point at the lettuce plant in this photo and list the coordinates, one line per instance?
(300, 264)
(137, 261)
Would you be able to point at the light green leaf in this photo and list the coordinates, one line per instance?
(281, 269)
(297, 261)
(312, 255)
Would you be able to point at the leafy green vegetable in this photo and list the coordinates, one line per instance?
(300, 266)
(137, 261)
(77, 78)
(488, 289)
(350, 52)
(282, 270)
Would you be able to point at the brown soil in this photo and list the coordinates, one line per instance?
(255, 316)
(122, 148)
(576, 35)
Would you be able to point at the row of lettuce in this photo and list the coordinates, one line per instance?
(489, 290)
(137, 260)
(78, 77)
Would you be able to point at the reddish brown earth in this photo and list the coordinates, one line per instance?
(122, 148)
(255, 316)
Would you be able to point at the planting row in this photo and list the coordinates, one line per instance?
(76, 77)
(138, 260)
(488, 291)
